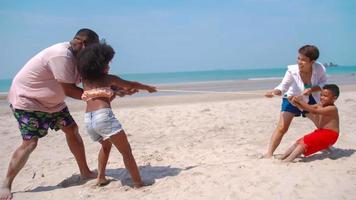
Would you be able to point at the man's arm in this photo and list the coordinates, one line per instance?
(72, 90)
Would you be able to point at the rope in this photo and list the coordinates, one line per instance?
(211, 92)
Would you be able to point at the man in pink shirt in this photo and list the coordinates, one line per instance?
(37, 98)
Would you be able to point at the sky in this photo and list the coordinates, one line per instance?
(182, 35)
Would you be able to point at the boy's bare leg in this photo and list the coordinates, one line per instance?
(296, 153)
(288, 152)
(102, 161)
(17, 162)
(121, 143)
(285, 119)
(76, 146)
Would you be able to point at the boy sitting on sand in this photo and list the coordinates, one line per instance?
(326, 118)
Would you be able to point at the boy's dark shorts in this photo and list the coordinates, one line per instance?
(288, 107)
(36, 123)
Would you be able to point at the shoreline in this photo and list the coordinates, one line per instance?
(151, 100)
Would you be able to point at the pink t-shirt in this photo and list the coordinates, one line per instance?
(36, 87)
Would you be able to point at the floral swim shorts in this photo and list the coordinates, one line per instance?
(36, 123)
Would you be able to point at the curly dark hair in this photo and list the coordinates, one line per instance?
(92, 60)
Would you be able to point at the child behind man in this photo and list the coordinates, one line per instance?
(101, 124)
(326, 118)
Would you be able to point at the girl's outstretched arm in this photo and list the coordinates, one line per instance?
(130, 85)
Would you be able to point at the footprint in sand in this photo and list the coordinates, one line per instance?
(349, 100)
(205, 110)
(197, 173)
(256, 155)
(351, 172)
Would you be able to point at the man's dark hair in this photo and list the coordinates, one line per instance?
(90, 36)
(310, 51)
(333, 88)
(92, 60)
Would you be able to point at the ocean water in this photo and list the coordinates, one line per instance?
(213, 75)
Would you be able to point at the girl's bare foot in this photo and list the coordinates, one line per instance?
(102, 182)
(138, 184)
(5, 193)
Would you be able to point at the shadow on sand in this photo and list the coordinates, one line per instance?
(333, 153)
(73, 180)
(148, 173)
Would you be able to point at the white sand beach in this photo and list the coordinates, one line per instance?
(196, 146)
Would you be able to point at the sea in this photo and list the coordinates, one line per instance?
(216, 75)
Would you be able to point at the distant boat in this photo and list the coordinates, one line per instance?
(331, 64)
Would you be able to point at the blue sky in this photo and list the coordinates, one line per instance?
(183, 35)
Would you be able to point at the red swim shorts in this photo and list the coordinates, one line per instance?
(318, 140)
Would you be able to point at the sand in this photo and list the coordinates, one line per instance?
(195, 146)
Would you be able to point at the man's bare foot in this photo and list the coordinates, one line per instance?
(138, 184)
(102, 182)
(5, 193)
(89, 175)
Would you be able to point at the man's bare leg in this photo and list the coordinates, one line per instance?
(121, 143)
(17, 162)
(102, 161)
(283, 124)
(76, 146)
(296, 153)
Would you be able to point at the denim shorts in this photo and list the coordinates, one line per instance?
(288, 107)
(101, 124)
